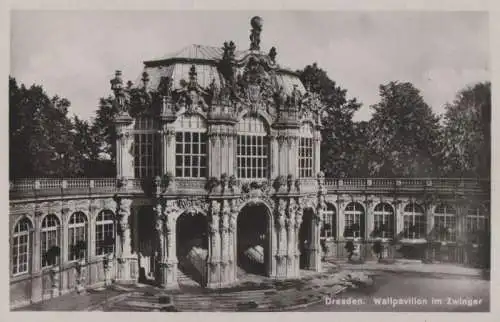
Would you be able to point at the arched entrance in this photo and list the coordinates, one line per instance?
(192, 249)
(146, 243)
(254, 240)
(306, 238)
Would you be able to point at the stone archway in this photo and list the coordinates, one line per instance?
(192, 249)
(254, 240)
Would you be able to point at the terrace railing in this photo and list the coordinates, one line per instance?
(47, 187)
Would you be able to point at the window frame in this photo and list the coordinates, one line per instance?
(100, 229)
(15, 246)
(45, 238)
(421, 223)
(73, 229)
(386, 214)
(252, 148)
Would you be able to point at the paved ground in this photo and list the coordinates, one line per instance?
(409, 281)
(410, 293)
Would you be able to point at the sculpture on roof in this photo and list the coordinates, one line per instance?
(190, 96)
(256, 23)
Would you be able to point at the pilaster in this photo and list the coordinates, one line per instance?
(214, 261)
(168, 264)
(124, 142)
(125, 259)
(282, 239)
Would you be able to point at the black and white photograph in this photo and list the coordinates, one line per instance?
(249, 161)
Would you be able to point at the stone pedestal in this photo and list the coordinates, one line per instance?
(168, 271)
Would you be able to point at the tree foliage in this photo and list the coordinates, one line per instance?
(41, 134)
(342, 138)
(466, 133)
(404, 134)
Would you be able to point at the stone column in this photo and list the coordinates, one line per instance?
(273, 156)
(125, 258)
(36, 264)
(292, 242)
(232, 243)
(429, 217)
(369, 219)
(124, 143)
(315, 250)
(340, 219)
(168, 150)
(168, 264)
(225, 249)
(214, 267)
(282, 239)
(297, 223)
(317, 149)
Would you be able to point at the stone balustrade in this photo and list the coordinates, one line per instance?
(48, 187)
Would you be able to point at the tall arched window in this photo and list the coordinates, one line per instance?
(104, 233)
(328, 230)
(50, 237)
(354, 220)
(77, 236)
(252, 148)
(191, 147)
(21, 247)
(477, 219)
(414, 222)
(147, 147)
(383, 216)
(306, 159)
(445, 221)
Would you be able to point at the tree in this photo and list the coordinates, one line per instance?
(403, 134)
(467, 133)
(41, 137)
(105, 130)
(343, 140)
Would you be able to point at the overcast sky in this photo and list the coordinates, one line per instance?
(74, 54)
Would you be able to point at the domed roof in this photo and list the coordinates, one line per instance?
(205, 59)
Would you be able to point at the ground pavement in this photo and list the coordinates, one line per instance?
(252, 294)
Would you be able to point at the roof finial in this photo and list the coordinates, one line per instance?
(256, 23)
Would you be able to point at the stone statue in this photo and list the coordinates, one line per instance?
(256, 24)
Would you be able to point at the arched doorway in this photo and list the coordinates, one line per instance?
(254, 240)
(306, 238)
(146, 243)
(192, 249)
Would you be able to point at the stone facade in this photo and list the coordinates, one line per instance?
(235, 147)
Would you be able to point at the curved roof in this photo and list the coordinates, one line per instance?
(205, 58)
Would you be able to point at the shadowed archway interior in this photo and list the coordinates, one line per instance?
(254, 240)
(192, 246)
(305, 238)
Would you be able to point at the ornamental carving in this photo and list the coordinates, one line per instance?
(192, 206)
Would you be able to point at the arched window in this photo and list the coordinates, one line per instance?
(354, 220)
(445, 221)
(253, 148)
(77, 236)
(105, 233)
(306, 151)
(414, 222)
(328, 229)
(147, 148)
(383, 216)
(50, 237)
(191, 147)
(21, 247)
(477, 219)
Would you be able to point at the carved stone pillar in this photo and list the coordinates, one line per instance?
(341, 218)
(273, 155)
(282, 240)
(125, 258)
(232, 242)
(297, 223)
(36, 265)
(315, 250)
(168, 150)
(124, 142)
(214, 261)
(317, 149)
(225, 249)
(292, 241)
(369, 219)
(168, 264)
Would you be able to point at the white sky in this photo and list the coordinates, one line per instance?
(74, 53)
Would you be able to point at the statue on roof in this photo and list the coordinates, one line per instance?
(256, 23)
